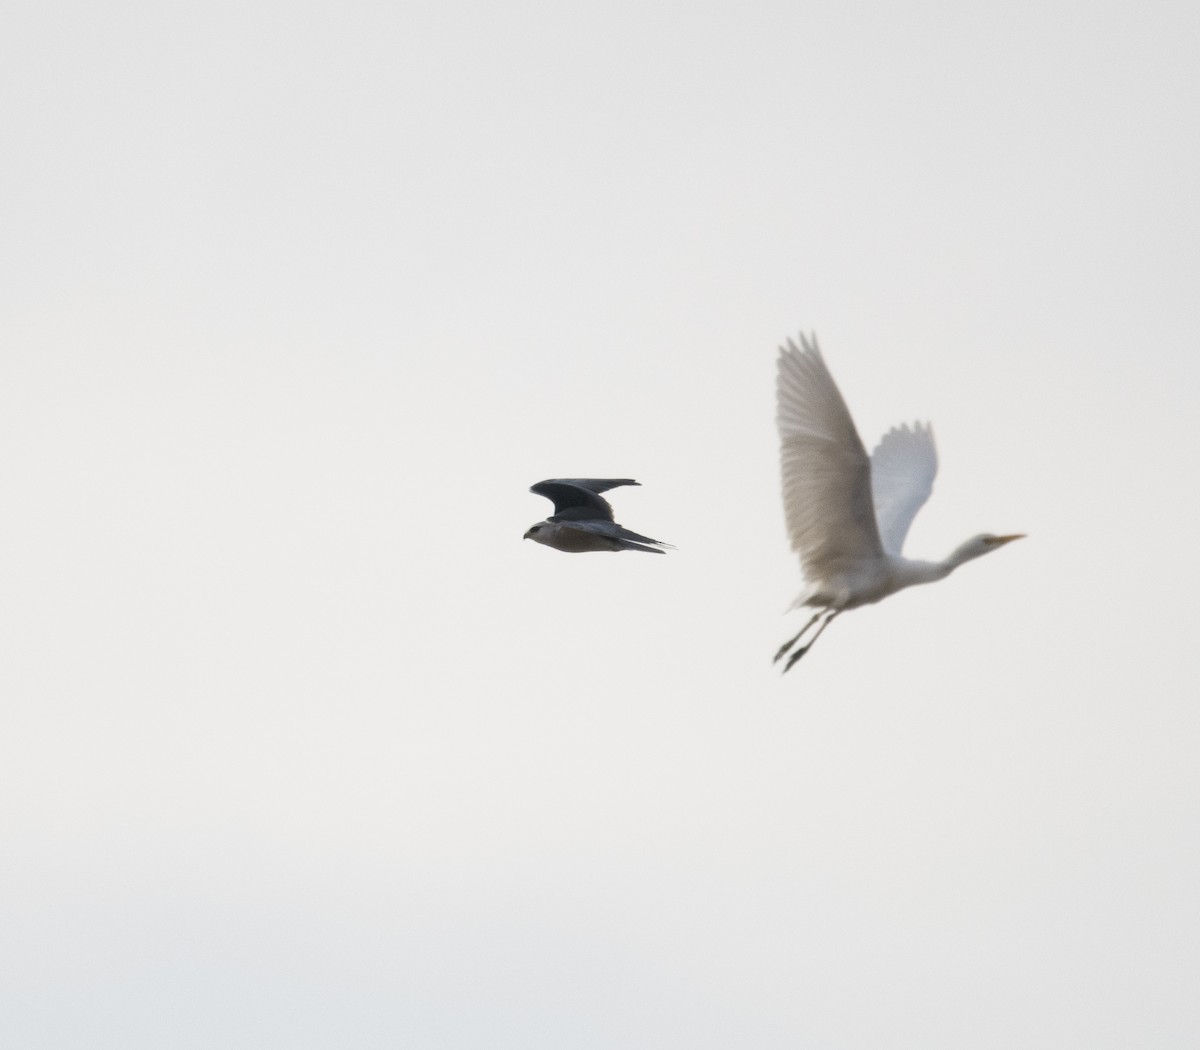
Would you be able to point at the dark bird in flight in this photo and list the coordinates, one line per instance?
(583, 520)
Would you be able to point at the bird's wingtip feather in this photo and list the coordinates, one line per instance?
(808, 345)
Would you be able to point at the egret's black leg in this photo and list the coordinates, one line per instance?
(813, 641)
(792, 641)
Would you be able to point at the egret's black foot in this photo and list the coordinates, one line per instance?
(795, 638)
(794, 657)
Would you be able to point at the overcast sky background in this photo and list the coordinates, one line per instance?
(303, 747)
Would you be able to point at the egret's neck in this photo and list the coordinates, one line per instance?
(909, 573)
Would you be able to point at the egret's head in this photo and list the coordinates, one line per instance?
(985, 543)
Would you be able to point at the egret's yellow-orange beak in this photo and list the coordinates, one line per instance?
(999, 541)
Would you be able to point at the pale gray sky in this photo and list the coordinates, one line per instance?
(303, 747)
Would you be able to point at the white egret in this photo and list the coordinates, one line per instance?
(847, 515)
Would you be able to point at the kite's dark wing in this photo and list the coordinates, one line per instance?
(578, 499)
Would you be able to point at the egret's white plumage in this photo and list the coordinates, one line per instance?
(903, 467)
(848, 514)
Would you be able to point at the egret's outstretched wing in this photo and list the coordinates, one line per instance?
(826, 473)
(903, 467)
(578, 498)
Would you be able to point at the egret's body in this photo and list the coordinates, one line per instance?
(848, 514)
